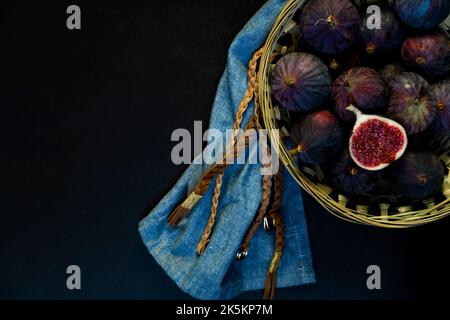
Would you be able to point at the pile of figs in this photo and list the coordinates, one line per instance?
(366, 92)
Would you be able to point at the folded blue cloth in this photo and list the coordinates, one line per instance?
(216, 274)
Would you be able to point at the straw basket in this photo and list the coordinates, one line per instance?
(386, 214)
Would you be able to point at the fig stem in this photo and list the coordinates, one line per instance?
(355, 110)
(421, 60)
(422, 179)
(371, 48)
(331, 20)
(334, 65)
(353, 172)
(296, 151)
(291, 83)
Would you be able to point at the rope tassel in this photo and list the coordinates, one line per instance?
(270, 286)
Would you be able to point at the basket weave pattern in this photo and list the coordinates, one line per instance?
(384, 214)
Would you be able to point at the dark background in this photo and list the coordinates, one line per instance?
(85, 124)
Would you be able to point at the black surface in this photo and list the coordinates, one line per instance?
(85, 124)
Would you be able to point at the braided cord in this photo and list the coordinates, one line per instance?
(233, 149)
(201, 246)
(266, 187)
(217, 169)
(275, 214)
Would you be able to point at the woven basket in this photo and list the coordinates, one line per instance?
(385, 214)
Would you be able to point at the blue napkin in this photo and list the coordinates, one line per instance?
(217, 274)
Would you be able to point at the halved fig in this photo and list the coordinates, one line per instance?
(376, 142)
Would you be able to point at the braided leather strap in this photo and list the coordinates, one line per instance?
(204, 241)
(181, 211)
(277, 197)
(275, 215)
(266, 190)
(270, 286)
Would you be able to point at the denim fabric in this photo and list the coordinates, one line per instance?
(216, 274)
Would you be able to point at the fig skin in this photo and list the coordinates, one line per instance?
(417, 175)
(390, 71)
(330, 26)
(338, 63)
(318, 136)
(441, 123)
(380, 41)
(422, 14)
(423, 141)
(301, 82)
(412, 102)
(350, 179)
(429, 54)
(362, 87)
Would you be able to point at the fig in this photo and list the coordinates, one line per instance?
(441, 123)
(339, 63)
(318, 137)
(429, 54)
(390, 71)
(362, 87)
(350, 179)
(301, 82)
(422, 14)
(382, 40)
(417, 175)
(330, 26)
(423, 141)
(412, 102)
(376, 141)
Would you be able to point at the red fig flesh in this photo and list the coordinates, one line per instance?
(376, 142)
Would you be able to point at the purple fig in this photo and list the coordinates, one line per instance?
(362, 87)
(424, 140)
(301, 82)
(390, 71)
(350, 179)
(381, 40)
(429, 54)
(412, 102)
(441, 123)
(422, 14)
(417, 175)
(339, 63)
(318, 137)
(330, 26)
